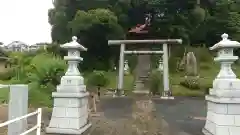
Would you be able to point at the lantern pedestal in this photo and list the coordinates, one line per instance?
(70, 112)
(223, 115)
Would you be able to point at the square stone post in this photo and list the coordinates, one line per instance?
(166, 91)
(223, 101)
(121, 70)
(70, 109)
(17, 107)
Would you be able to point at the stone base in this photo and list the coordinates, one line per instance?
(206, 132)
(167, 97)
(223, 116)
(70, 113)
(141, 91)
(51, 130)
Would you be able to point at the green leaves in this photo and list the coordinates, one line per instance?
(84, 21)
(46, 70)
(156, 82)
(97, 78)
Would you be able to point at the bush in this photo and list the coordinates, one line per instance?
(19, 62)
(191, 83)
(202, 54)
(156, 82)
(7, 75)
(45, 72)
(97, 79)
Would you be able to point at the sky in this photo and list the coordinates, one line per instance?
(25, 20)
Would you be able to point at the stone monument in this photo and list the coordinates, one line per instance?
(70, 109)
(191, 65)
(223, 101)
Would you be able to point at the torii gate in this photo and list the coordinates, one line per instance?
(166, 93)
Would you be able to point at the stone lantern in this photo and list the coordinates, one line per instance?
(70, 109)
(126, 67)
(160, 65)
(223, 101)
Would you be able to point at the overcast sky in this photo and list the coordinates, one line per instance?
(25, 20)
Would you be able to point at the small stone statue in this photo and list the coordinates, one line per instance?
(126, 68)
(160, 65)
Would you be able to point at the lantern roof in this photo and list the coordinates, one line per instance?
(225, 43)
(74, 45)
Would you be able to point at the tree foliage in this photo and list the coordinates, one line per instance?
(94, 22)
(97, 79)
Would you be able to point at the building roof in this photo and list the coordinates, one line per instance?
(16, 44)
(140, 28)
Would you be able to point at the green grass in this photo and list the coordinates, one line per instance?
(4, 92)
(127, 81)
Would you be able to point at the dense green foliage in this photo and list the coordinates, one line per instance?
(97, 79)
(197, 22)
(191, 82)
(42, 73)
(156, 82)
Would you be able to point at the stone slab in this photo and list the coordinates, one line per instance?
(141, 91)
(69, 102)
(70, 95)
(165, 97)
(68, 131)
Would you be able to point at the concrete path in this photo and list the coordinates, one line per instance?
(115, 108)
(184, 114)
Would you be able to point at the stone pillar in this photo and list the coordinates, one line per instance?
(166, 90)
(70, 109)
(17, 107)
(121, 70)
(143, 68)
(223, 101)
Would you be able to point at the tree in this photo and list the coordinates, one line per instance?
(94, 22)
(94, 28)
(225, 18)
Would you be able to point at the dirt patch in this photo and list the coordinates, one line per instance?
(3, 118)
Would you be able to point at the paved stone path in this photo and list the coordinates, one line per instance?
(115, 108)
(184, 115)
(180, 113)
